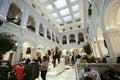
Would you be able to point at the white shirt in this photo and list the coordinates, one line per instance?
(83, 74)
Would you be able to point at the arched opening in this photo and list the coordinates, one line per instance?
(57, 40)
(31, 23)
(48, 34)
(40, 51)
(41, 29)
(64, 40)
(72, 38)
(53, 37)
(14, 14)
(27, 50)
(81, 52)
(112, 23)
(80, 38)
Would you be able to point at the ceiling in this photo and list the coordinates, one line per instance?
(62, 13)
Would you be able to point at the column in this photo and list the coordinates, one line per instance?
(24, 18)
(76, 38)
(33, 53)
(4, 9)
(67, 36)
(51, 35)
(45, 31)
(18, 52)
(98, 43)
(55, 38)
(37, 26)
(109, 46)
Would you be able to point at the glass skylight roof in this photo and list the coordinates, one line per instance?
(49, 8)
(77, 15)
(42, 1)
(59, 21)
(64, 12)
(60, 4)
(67, 18)
(55, 15)
(76, 8)
(73, 0)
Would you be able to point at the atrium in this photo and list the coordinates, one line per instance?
(37, 27)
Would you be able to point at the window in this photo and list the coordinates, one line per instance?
(49, 8)
(79, 26)
(64, 12)
(60, 4)
(63, 29)
(76, 8)
(70, 28)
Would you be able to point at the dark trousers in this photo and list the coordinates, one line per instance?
(58, 59)
(43, 74)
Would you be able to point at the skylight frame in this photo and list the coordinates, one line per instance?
(55, 15)
(42, 1)
(76, 7)
(59, 4)
(64, 12)
(67, 18)
(77, 15)
(72, 1)
(59, 20)
(49, 8)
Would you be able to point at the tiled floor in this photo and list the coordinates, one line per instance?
(67, 74)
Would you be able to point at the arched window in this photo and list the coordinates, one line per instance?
(14, 14)
(72, 38)
(53, 37)
(41, 29)
(57, 40)
(64, 40)
(48, 34)
(31, 23)
(80, 38)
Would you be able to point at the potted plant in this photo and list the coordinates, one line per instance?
(30, 27)
(87, 49)
(7, 43)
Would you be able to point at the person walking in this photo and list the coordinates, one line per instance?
(44, 67)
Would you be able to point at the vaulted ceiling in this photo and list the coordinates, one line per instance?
(64, 13)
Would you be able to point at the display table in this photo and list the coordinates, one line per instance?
(53, 72)
(100, 67)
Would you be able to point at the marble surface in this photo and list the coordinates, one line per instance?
(67, 74)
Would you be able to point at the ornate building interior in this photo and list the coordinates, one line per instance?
(37, 26)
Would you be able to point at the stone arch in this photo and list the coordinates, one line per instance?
(72, 38)
(14, 14)
(40, 50)
(112, 23)
(80, 37)
(48, 34)
(64, 39)
(28, 49)
(112, 15)
(31, 23)
(41, 29)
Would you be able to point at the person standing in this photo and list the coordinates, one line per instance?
(44, 67)
(59, 55)
(55, 56)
